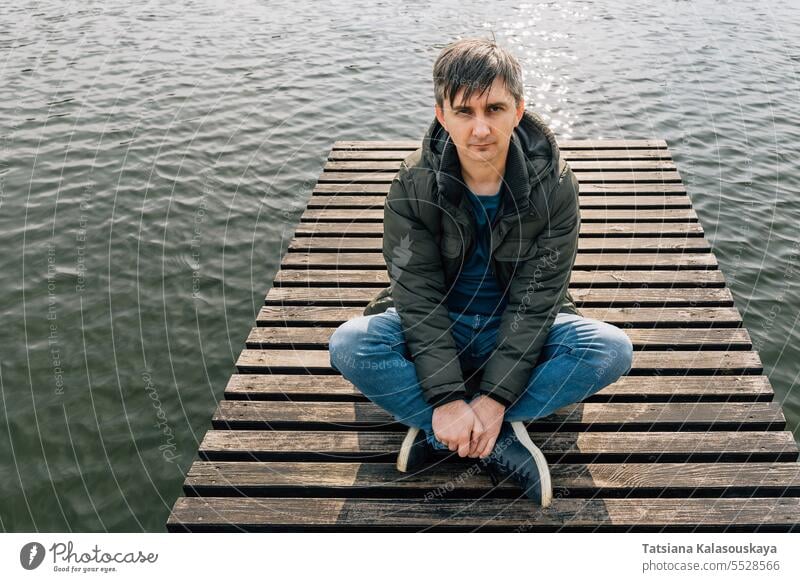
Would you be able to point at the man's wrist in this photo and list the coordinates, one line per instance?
(499, 399)
(447, 398)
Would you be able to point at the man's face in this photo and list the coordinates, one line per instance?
(482, 127)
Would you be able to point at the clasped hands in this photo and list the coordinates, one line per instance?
(470, 428)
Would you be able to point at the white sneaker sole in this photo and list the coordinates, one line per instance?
(538, 457)
(405, 449)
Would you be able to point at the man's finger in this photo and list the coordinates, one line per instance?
(479, 441)
(480, 445)
(487, 450)
(474, 445)
(445, 442)
(463, 448)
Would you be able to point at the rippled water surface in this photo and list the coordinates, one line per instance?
(155, 159)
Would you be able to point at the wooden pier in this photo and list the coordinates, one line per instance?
(690, 440)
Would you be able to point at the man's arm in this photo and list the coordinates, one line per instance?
(535, 294)
(414, 262)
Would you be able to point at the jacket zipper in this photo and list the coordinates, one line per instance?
(497, 219)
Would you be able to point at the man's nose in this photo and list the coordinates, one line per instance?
(481, 128)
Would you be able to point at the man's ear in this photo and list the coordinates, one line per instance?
(440, 115)
(520, 109)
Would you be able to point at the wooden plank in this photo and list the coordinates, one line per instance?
(354, 203)
(608, 480)
(629, 316)
(619, 188)
(323, 514)
(688, 338)
(324, 277)
(651, 339)
(576, 165)
(627, 261)
(566, 447)
(316, 387)
(592, 245)
(665, 362)
(584, 177)
(316, 277)
(588, 229)
(563, 144)
(592, 417)
(569, 155)
(584, 297)
(596, 215)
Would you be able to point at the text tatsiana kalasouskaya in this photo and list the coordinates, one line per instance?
(712, 548)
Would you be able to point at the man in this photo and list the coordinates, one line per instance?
(477, 331)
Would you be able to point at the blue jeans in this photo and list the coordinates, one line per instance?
(580, 356)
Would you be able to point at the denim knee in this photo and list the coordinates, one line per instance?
(342, 342)
(619, 351)
(610, 353)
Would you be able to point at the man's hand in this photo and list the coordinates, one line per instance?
(490, 413)
(455, 424)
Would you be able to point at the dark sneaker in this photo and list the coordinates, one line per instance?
(414, 452)
(516, 457)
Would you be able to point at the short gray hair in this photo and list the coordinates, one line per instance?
(474, 63)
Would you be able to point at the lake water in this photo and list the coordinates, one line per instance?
(155, 158)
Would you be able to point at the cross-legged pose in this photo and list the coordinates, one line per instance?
(477, 332)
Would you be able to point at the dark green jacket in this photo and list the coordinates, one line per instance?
(428, 230)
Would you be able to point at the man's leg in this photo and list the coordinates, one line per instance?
(371, 352)
(580, 357)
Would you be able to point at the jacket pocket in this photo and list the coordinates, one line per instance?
(516, 250)
(452, 246)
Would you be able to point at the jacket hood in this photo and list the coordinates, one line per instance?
(532, 166)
